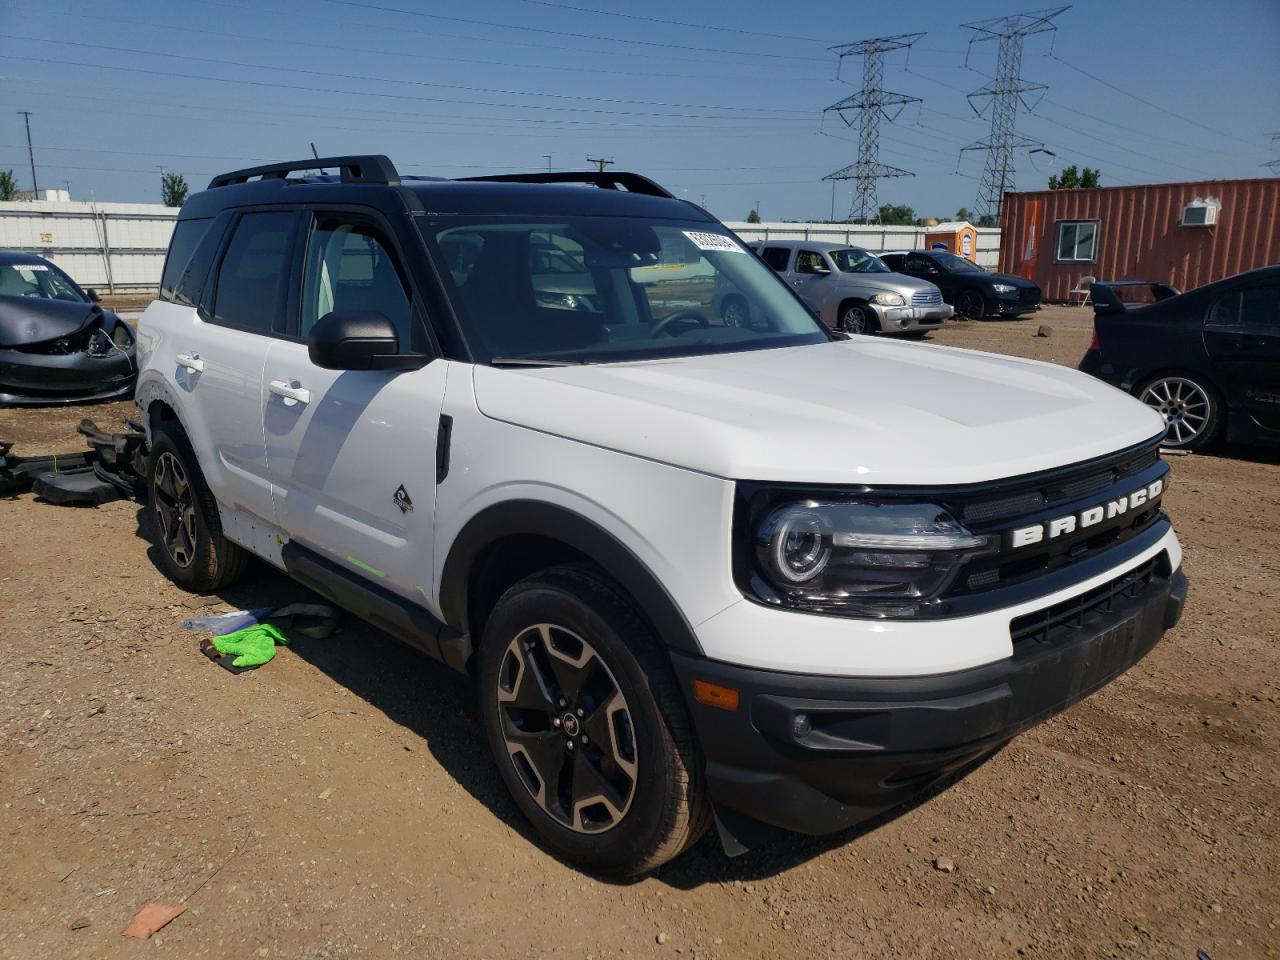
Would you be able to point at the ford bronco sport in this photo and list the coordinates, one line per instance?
(755, 573)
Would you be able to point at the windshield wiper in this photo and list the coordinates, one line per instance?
(534, 362)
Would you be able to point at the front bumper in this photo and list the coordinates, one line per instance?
(1014, 306)
(818, 754)
(907, 319)
(40, 379)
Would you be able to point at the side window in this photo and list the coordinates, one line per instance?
(920, 265)
(186, 237)
(351, 268)
(1260, 311)
(250, 292)
(776, 257)
(1225, 311)
(809, 261)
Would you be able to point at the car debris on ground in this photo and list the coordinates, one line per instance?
(107, 471)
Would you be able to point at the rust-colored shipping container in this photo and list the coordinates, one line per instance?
(1147, 232)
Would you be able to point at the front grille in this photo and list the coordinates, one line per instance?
(1056, 623)
(1029, 295)
(927, 299)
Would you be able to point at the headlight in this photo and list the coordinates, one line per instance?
(860, 559)
(889, 299)
(1003, 287)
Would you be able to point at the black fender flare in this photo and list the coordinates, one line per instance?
(536, 518)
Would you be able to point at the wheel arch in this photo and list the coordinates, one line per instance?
(509, 541)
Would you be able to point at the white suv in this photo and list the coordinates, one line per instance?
(759, 573)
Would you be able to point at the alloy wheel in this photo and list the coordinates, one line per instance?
(175, 509)
(969, 305)
(855, 320)
(1184, 404)
(567, 728)
(734, 314)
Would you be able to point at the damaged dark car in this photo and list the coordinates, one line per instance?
(57, 345)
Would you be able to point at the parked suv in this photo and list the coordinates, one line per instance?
(854, 290)
(760, 574)
(974, 292)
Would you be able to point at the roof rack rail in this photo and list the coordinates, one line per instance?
(630, 182)
(373, 168)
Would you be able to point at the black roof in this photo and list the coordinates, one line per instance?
(17, 256)
(373, 179)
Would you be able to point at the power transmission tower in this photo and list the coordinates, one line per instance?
(600, 163)
(870, 105)
(1003, 94)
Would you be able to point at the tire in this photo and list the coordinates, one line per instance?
(1191, 408)
(565, 659)
(970, 305)
(735, 313)
(857, 318)
(185, 526)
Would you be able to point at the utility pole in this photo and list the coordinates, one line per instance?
(35, 187)
(1003, 94)
(548, 156)
(1274, 165)
(869, 106)
(600, 163)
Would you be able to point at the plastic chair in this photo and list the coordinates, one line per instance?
(1084, 288)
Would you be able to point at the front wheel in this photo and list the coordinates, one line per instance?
(970, 305)
(857, 318)
(584, 719)
(1191, 410)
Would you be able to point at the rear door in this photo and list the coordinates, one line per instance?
(352, 453)
(1242, 338)
(218, 351)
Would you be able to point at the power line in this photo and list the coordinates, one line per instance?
(1004, 93)
(675, 23)
(871, 104)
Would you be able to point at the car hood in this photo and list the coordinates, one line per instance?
(1019, 282)
(851, 412)
(27, 320)
(893, 282)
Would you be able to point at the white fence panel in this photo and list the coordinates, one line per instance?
(877, 239)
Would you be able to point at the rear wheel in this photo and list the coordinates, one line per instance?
(1191, 409)
(970, 305)
(734, 313)
(185, 524)
(585, 722)
(856, 317)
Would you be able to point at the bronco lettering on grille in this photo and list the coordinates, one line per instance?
(1059, 526)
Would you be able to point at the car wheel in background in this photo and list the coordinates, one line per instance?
(734, 312)
(185, 525)
(970, 305)
(1191, 409)
(856, 317)
(585, 721)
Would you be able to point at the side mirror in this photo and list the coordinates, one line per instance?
(358, 341)
(93, 295)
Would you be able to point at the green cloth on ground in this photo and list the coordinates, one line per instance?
(254, 645)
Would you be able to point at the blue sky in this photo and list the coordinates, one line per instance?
(719, 101)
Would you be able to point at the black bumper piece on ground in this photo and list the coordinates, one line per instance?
(819, 754)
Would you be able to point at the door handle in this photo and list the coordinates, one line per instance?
(190, 361)
(796, 283)
(292, 391)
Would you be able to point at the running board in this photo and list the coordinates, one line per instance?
(403, 619)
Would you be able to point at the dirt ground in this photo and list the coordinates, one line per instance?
(339, 804)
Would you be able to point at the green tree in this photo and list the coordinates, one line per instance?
(753, 217)
(9, 186)
(173, 189)
(1072, 178)
(964, 214)
(896, 214)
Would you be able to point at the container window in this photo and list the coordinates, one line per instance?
(1077, 240)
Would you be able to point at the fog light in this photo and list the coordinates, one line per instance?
(800, 726)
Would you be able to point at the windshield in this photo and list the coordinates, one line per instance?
(853, 260)
(955, 264)
(600, 289)
(38, 281)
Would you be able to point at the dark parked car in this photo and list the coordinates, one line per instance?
(1208, 359)
(56, 344)
(974, 292)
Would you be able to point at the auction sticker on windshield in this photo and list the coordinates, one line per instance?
(713, 241)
